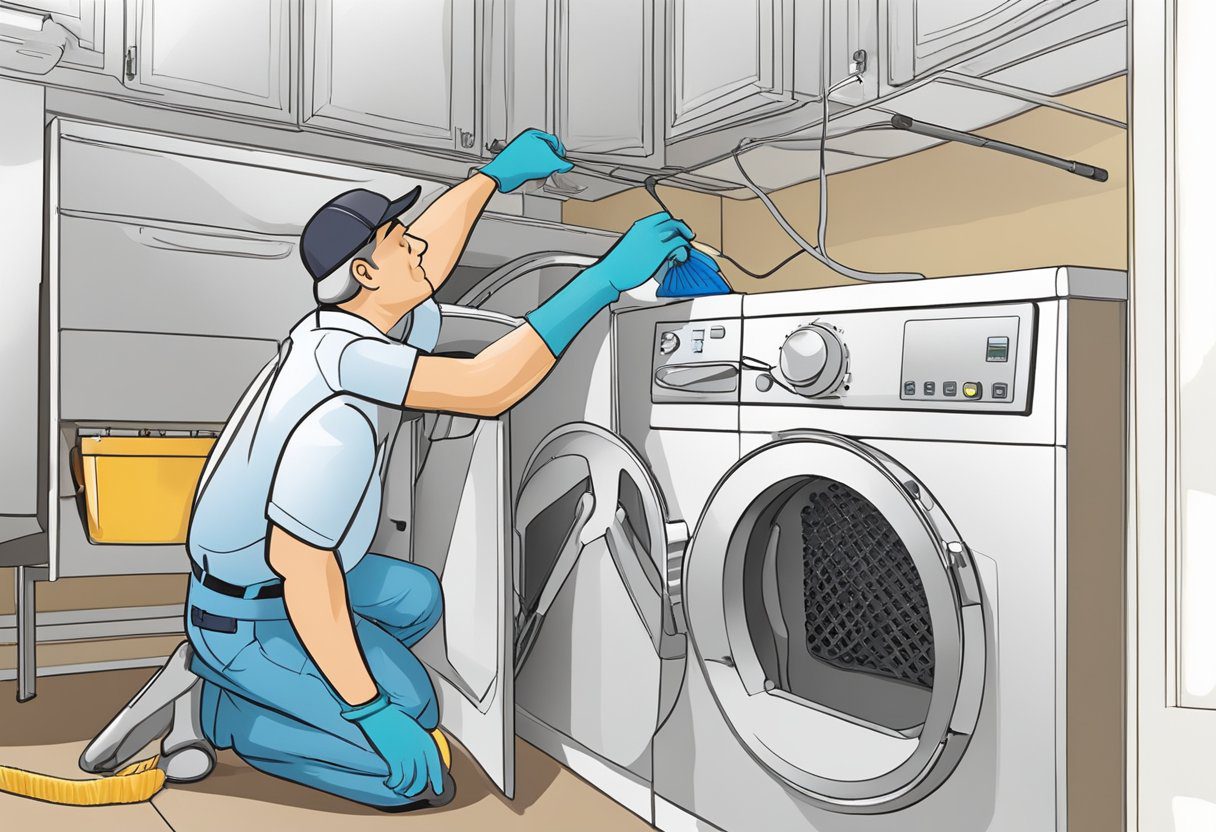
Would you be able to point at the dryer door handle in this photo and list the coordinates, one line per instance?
(710, 377)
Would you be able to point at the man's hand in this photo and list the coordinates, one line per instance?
(411, 753)
(642, 250)
(533, 154)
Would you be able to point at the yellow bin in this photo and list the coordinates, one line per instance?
(139, 489)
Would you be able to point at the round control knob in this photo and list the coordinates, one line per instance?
(668, 343)
(813, 360)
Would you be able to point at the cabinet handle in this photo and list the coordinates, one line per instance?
(207, 244)
(858, 62)
(129, 63)
(497, 146)
(466, 139)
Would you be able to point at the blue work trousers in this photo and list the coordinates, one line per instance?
(264, 698)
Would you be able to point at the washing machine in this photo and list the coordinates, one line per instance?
(903, 604)
(600, 529)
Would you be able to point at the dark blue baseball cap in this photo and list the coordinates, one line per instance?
(344, 225)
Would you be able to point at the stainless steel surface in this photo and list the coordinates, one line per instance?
(696, 361)
(25, 580)
(814, 360)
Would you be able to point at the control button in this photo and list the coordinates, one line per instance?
(668, 343)
(1000, 391)
(972, 389)
(717, 332)
(930, 388)
(949, 388)
(909, 388)
(698, 340)
(764, 382)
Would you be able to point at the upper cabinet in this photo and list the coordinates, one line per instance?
(398, 71)
(728, 60)
(233, 56)
(605, 79)
(924, 35)
(92, 23)
(518, 57)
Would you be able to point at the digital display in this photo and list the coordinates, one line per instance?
(998, 348)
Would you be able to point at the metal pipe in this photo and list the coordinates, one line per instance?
(935, 131)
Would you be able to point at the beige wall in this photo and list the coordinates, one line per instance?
(952, 209)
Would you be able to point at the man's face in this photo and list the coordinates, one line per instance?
(399, 281)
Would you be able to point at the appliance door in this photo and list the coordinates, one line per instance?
(594, 624)
(836, 614)
(446, 507)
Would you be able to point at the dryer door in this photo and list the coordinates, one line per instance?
(594, 630)
(446, 507)
(837, 616)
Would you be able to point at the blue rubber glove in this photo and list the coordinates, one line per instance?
(410, 751)
(647, 245)
(533, 154)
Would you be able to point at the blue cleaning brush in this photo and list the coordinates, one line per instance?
(696, 277)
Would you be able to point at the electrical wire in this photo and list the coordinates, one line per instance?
(819, 251)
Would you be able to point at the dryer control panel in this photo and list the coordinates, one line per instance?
(696, 361)
(955, 359)
(963, 359)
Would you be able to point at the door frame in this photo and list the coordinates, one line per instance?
(1169, 783)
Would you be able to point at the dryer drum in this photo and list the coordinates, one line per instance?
(865, 605)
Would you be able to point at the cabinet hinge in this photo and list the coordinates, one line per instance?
(129, 63)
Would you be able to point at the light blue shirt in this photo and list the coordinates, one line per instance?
(307, 444)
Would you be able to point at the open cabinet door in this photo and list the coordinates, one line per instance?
(461, 518)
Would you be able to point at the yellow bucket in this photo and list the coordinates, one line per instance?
(139, 489)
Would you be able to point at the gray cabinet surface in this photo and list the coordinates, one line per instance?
(392, 70)
(21, 171)
(606, 76)
(96, 26)
(728, 60)
(518, 58)
(228, 55)
(923, 35)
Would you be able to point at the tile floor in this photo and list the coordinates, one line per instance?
(48, 734)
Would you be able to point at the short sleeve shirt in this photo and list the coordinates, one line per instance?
(306, 447)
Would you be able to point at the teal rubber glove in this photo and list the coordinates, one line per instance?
(408, 748)
(533, 154)
(647, 245)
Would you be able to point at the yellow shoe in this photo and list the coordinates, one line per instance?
(445, 750)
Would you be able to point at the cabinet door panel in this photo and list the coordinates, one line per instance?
(86, 19)
(391, 69)
(606, 77)
(923, 35)
(727, 60)
(517, 82)
(231, 55)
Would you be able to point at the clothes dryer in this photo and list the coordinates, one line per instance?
(904, 602)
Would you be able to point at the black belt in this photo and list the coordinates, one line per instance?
(214, 584)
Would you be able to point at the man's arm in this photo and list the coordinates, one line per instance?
(486, 385)
(314, 590)
(446, 223)
(507, 370)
